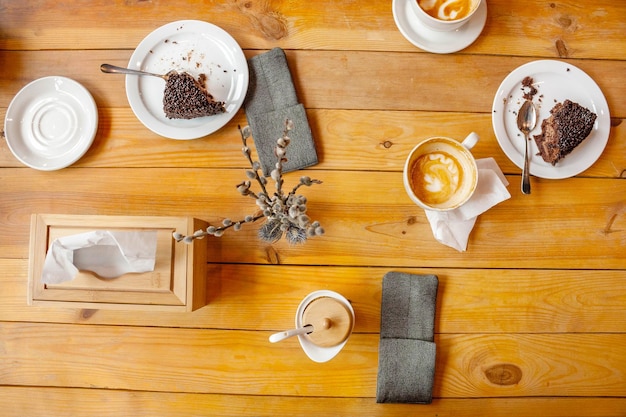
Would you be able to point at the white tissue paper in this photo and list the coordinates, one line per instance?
(109, 254)
(452, 228)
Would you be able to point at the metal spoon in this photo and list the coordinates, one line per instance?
(112, 69)
(526, 120)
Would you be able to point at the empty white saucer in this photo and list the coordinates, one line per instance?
(433, 41)
(51, 123)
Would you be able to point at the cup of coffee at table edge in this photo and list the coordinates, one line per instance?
(444, 15)
(440, 173)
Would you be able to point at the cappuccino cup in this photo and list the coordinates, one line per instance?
(444, 15)
(440, 173)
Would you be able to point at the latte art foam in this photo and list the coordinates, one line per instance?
(446, 9)
(436, 177)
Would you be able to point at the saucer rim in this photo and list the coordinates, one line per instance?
(89, 122)
(477, 23)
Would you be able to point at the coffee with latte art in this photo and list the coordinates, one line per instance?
(436, 177)
(440, 173)
(447, 9)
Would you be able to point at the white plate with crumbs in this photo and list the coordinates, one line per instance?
(555, 81)
(194, 47)
(51, 123)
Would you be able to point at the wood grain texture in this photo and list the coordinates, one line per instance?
(532, 28)
(367, 140)
(265, 298)
(530, 320)
(590, 232)
(21, 401)
(175, 360)
(334, 79)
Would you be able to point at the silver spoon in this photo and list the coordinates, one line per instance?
(112, 69)
(526, 120)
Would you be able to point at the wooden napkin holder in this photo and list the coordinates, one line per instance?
(177, 283)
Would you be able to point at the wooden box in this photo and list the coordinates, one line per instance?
(177, 283)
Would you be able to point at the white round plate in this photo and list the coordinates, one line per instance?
(555, 81)
(194, 47)
(433, 41)
(51, 123)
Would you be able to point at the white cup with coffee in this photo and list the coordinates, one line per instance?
(440, 173)
(444, 15)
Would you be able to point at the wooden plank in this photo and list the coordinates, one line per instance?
(245, 362)
(550, 29)
(469, 300)
(385, 227)
(66, 402)
(334, 79)
(368, 140)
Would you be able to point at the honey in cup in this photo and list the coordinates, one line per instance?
(447, 9)
(440, 173)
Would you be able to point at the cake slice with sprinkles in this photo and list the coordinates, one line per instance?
(567, 127)
(187, 98)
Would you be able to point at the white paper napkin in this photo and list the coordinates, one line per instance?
(109, 254)
(452, 228)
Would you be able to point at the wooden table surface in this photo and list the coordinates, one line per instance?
(530, 320)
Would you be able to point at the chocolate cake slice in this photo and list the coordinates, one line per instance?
(568, 125)
(187, 98)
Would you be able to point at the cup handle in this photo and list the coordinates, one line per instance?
(470, 140)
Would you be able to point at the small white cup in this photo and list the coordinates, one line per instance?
(440, 173)
(446, 21)
(314, 351)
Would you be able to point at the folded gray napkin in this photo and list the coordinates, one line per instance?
(271, 99)
(406, 353)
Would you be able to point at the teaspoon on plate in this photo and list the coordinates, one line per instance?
(526, 120)
(112, 69)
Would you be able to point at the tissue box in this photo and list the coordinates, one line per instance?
(177, 283)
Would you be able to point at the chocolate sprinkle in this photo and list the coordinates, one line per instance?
(186, 98)
(568, 125)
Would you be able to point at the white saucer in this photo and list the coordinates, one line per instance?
(433, 41)
(194, 47)
(51, 123)
(555, 81)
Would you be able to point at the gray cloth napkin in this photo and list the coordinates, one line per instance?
(271, 99)
(406, 353)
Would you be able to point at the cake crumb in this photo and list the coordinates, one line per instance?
(528, 88)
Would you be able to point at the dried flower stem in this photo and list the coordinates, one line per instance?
(285, 214)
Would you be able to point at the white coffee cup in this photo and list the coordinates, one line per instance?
(444, 15)
(440, 173)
